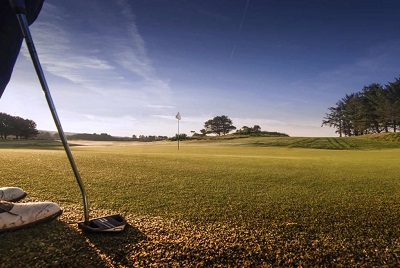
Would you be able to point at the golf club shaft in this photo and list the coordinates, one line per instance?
(39, 71)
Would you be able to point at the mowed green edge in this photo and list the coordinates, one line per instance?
(308, 206)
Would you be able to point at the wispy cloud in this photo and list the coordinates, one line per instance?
(185, 119)
(159, 106)
(131, 52)
(162, 116)
(107, 54)
(60, 57)
(98, 64)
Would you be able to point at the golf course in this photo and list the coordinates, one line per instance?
(243, 202)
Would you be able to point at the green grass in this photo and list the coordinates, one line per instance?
(247, 202)
(368, 142)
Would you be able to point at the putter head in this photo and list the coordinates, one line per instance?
(107, 224)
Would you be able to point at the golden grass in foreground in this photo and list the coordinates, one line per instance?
(211, 205)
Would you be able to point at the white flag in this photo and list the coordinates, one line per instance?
(178, 116)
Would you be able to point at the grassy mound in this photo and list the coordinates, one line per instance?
(393, 137)
(348, 143)
(368, 142)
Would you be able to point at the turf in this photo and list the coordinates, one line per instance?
(367, 142)
(213, 203)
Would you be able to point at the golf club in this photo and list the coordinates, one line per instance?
(112, 223)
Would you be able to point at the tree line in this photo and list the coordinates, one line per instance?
(148, 138)
(103, 137)
(26, 128)
(222, 125)
(17, 126)
(375, 109)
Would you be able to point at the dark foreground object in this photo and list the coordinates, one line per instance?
(112, 223)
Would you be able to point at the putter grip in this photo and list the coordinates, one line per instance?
(18, 6)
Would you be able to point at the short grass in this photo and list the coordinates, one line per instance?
(367, 142)
(213, 204)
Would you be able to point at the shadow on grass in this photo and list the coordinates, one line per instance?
(116, 248)
(58, 244)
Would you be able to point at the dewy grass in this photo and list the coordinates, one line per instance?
(283, 206)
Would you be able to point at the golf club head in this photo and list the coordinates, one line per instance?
(107, 224)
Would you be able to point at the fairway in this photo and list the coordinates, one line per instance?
(212, 204)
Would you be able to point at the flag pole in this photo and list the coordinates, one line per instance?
(178, 116)
(178, 135)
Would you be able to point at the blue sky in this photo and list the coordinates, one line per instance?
(127, 67)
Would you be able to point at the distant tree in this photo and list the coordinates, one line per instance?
(219, 125)
(6, 125)
(203, 132)
(92, 137)
(374, 109)
(392, 111)
(256, 128)
(354, 124)
(29, 129)
(244, 130)
(150, 138)
(43, 135)
(181, 137)
(335, 118)
(18, 126)
(249, 130)
(372, 99)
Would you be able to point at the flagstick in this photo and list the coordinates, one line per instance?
(178, 116)
(178, 135)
